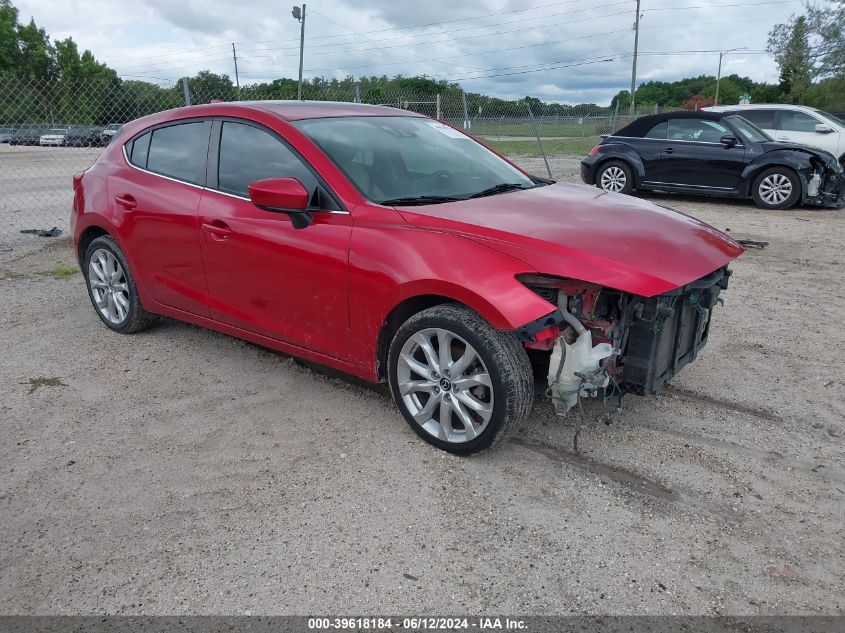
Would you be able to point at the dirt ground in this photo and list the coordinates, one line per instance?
(180, 471)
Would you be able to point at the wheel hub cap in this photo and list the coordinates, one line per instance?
(775, 188)
(109, 287)
(445, 385)
(613, 179)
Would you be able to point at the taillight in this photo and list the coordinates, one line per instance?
(595, 150)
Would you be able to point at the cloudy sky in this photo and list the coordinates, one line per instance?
(552, 49)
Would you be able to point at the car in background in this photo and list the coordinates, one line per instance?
(391, 246)
(53, 137)
(83, 137)
(6, 134)
(717, 154)
(795, 124)
(27, 136)
(109, 132)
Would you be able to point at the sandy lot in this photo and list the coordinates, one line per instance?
(182, 471)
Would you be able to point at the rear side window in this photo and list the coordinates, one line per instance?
(658, 131)
(248, 153)
(139, 149)
(795, 121)
(180, 151)
(764, 119)
(701, 130)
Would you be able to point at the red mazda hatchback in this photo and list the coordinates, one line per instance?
(394, 247)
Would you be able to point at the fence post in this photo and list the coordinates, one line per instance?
(615, 118)
(186, 91)
(539, 142)
(357, 92)
(467, 122)
(439, 117)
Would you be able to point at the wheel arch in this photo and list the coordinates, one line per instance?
(87, 236)
(625, 154)
(796, 164)
(400, 313)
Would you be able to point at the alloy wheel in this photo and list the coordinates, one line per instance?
(445, 385)
(775, 189)
(109, 286)
(613, 179)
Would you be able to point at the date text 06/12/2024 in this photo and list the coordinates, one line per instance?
(416, 623)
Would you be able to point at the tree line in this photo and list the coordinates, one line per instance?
(42, 80)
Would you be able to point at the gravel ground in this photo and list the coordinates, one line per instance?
(180, 471)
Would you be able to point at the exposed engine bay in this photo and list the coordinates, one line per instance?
(823, 184)
(604, 343)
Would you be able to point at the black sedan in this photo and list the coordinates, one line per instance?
(714, 154)
(83, 137)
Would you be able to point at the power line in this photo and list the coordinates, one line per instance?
(469, 28)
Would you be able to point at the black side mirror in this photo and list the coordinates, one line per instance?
(728, 141)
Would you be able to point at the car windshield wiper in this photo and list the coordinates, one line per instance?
(500, 188)
(414, 200)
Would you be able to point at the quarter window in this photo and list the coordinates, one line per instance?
(140, 147)
(700, 130)
(796, 121)
(180, 151)
(658, 131)
(248, 153)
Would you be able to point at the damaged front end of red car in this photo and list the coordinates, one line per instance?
(603, 343)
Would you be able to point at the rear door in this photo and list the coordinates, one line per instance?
(156, 199)
(763, 118)
(694, 157)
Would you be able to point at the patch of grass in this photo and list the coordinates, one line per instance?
(35, 383)
(63, 272)
(579, 147)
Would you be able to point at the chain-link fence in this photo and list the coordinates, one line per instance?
(50, 130)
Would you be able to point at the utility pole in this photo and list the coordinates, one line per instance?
(719, 73)
(636, 46)
(237, 80)
(299, 14)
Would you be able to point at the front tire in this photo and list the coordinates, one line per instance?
(776, 188)
(615, 176)
(461, 385)
(112, 288)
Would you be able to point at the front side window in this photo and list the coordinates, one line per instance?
(796, 121)
(180, 151)
(400, 157)
(248, 153)
(700, 130)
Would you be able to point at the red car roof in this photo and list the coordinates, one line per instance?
(296, 110)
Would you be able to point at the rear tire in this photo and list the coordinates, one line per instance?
(615, 176)
(776, 188)
(471, 400)
(112, 289)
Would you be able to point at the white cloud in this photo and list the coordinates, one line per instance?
(166, 39)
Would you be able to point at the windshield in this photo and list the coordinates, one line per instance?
(751, 132)
(395, 160)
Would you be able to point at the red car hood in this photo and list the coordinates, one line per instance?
(583, 233)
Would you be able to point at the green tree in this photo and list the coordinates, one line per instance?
(789, 43)
(37, 55)
(9, 51)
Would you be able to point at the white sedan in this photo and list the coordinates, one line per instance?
(55, 136)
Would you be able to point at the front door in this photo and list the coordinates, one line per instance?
(264, 275)
(694, 157)
(796, 126)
